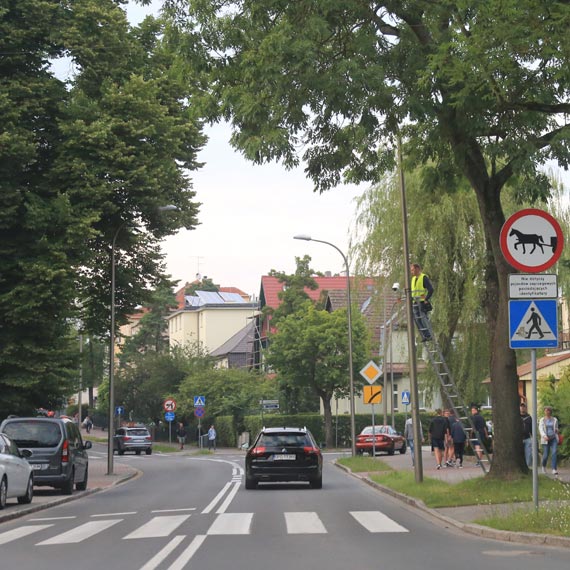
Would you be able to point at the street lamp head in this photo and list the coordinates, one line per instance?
(396, 287)
(304, 237)
(168, 208)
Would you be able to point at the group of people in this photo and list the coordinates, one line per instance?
(181, 435)
(549, 437)
(448, 436)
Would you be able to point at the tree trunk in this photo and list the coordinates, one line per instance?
(508, 456)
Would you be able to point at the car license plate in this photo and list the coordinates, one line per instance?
(285, 457)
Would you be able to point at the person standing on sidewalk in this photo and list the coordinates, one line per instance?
(181, 435)
(212, 437)
(409, 435)
(548, 429)
(449, 455)
(438, 431)
(526, 420)
(458, 436)
(480, 433)
(421, 290)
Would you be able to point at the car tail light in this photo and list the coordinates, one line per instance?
(65, 451)
(258, 451)
(127, 438)
(311, 450)
(148, 438)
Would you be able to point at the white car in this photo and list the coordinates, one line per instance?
(16, 474)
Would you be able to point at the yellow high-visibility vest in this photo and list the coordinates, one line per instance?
(419, 292)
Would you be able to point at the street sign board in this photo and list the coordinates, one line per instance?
(533, 323)
(119, 410)
(199, 412)
(531, 240)
(406, 397)
(269, 404)
(199, 401)
(169, 416)
(169, 405)
(533, 286)
(372, 394)
(371, 372)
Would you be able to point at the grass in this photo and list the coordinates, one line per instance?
(553, 516)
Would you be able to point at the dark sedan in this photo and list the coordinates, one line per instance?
(383, 438)
(284, 454)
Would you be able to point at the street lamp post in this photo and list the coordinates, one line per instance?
(111, 426)
(349, 317)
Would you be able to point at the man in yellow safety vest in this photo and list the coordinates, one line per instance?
(422, 290)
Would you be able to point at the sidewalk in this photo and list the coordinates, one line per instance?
(46, 497)
(463, 517)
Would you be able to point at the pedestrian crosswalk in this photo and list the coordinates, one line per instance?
(224, 524)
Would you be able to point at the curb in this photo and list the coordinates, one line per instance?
(471, 528)
(5, 517)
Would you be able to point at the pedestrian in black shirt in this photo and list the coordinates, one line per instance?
(480, 432)
(526, 420)
(439, 430)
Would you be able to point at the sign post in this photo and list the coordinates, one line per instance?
(532, 241)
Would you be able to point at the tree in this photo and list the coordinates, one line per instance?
(82, 161)
(205, 284)
(310, 350)
(479, 89)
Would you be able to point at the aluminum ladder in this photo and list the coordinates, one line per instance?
(448, 386)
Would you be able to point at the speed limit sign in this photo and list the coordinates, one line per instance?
(169, 405)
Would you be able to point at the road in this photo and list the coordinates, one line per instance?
(193, 512)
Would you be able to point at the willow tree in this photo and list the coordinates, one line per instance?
(480, 89)
(446, 238)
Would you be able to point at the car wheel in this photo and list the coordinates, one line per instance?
(250, 483)
(82, 486)
(317, 483)
(27, 498)
(403, 450)
(149, 451)
(138, 451)
(121, 451)
(67, 488)
(391, 452)
(3, 492)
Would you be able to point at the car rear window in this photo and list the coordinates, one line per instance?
(138, 432)
(284, 439)
(33, 434)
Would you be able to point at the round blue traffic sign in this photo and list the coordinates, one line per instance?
(199, 412)
(169, 416)
(119, 410)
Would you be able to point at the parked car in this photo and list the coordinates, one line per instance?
(135, 439)
(16, 474)
(55, 450)
(284, 454)
(387, 440)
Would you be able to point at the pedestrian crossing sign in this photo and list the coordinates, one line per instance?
(199, 401)
(533, 323)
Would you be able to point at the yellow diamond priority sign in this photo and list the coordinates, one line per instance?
(371, 372)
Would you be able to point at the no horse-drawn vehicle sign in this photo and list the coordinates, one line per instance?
(532, 240)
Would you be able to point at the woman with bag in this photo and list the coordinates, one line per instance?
(548, 429)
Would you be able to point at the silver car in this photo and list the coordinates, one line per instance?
(135, 439)
(16, 474)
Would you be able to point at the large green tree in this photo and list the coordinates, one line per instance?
(481, 89)
(310, 350)
(84, 161)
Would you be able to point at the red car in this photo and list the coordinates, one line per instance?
(387, 440)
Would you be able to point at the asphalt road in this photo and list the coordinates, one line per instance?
(194, 512)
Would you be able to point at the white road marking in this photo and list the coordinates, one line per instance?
(160, 556)
(304, 523)
(229, 498)
(52, 519)
(174, 510)
(158, 526)
(185, 557)
(215, 500)
(231, 523)
(115, 514)
(80, 533)
(375, 521)
(20, 532)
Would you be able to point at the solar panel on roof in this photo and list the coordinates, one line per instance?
(231, 297)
